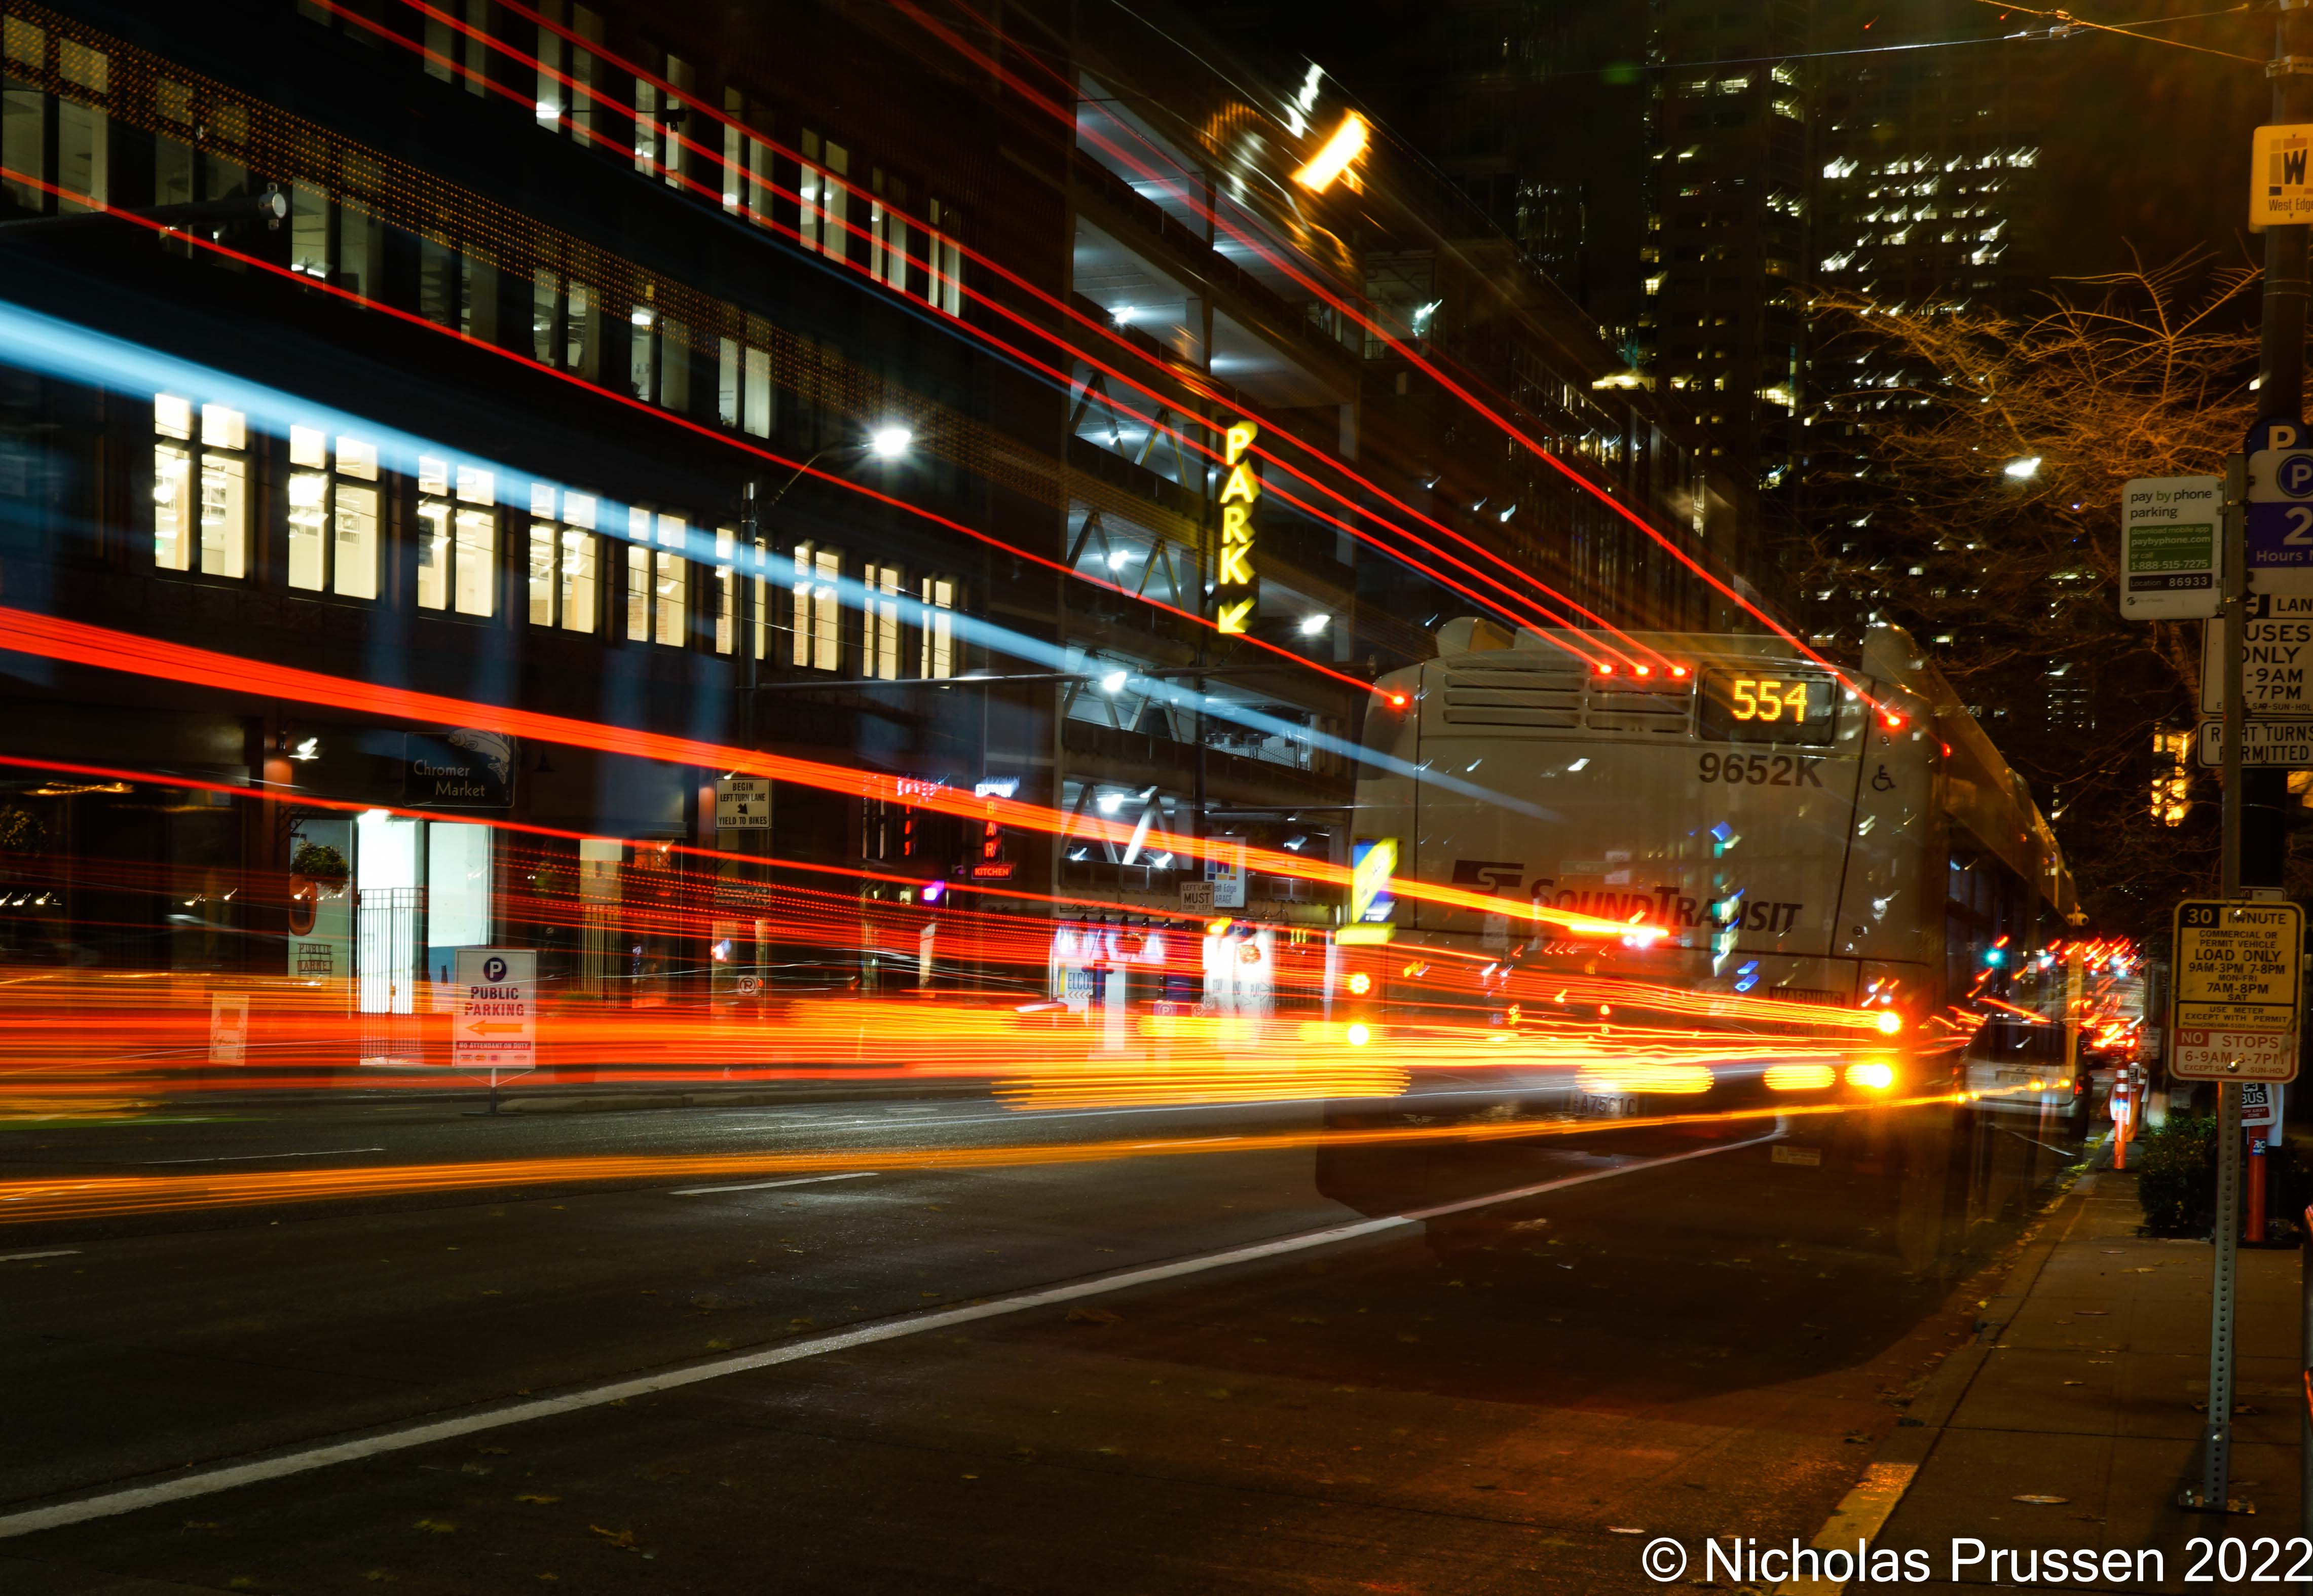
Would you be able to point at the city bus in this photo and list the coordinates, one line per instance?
(1782, 840)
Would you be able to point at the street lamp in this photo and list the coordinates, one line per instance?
(887, 442)
(2023, 470)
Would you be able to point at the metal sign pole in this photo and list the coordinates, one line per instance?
(2218, 1436)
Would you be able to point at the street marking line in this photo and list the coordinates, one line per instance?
(18, 1258)
(764, 1185)
(250, 1158)
(1860, 1516)
(135, 1497)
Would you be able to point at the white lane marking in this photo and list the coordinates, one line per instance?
(764, 1185)
(18, 1258)
(245, 1157)
(112, 1503)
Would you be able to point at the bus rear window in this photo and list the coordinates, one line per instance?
(1769, 707)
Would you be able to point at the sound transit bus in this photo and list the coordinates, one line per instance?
(1773, 836)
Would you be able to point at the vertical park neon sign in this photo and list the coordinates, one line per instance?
(1234, 590)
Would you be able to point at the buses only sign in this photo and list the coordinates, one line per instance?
(2236, 990)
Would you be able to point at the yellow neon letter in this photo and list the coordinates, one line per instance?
(1235, 572)
(1236, 523)
(1241, 485)
(1240, 437)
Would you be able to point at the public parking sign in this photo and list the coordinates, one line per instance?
(2234, 992)
(2280, 529)
(494, 1027)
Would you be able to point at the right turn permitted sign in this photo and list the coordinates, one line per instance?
(2236, 990)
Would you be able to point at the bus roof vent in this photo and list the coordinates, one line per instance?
(1513, 694)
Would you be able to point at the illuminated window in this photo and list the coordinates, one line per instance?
(818, 615)
(23, 115)
(81, 127)
(657, 579)
(659, 119)
(946, 259)
(563, 582)
(201, 487)
(565, 329)
(333, 513)
(457, 538)
(567, 72)
(460, 54)
(887, 233)
(726, 591)
(826, 202)
(939, 641)
(881, 633)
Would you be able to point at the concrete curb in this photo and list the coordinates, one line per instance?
(1866, 1509)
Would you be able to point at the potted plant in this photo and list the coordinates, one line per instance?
(316, 870)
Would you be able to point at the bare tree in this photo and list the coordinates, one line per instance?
(1966, 483)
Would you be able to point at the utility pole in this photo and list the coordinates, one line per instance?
(2255, 798)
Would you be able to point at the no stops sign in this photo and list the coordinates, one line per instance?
(2236, 990)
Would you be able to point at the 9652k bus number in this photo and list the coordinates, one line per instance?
(1760, 770)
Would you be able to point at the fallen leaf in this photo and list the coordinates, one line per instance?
(1304, 1319)
(1093, 1316)
(499, 1452)
(199, 1524)
(2076, 1382)
(718, 1346)
(2038, 1501)
(436, 1526)
(2093, 1312)
(470, 1468)
(537, 1499)
(376, 1574)
(1622, 1530)
(622, 1538)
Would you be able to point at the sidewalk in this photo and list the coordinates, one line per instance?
(2081, 1385)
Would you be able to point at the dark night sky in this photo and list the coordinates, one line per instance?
(2149, 143)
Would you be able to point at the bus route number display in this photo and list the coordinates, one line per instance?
(2234, 989)
(1769, 707)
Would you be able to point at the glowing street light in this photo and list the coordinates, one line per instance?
(2023, 470)
(889, 443)
(1347, 144)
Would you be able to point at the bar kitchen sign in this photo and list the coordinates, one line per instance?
(463, 769)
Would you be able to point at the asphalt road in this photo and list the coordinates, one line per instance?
(1694, 1333)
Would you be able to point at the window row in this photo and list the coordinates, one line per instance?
(204, 521)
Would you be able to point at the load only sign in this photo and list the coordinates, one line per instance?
(2236, 990)
(2276, 657)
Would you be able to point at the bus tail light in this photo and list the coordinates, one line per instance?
(1872, 1076)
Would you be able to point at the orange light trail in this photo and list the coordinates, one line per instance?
(49, 1200)
(78, 642)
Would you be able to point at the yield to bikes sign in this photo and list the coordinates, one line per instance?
(2235, 990)
(494, 1023)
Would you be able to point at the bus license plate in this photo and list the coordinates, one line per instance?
(1598, 1106)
